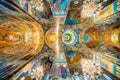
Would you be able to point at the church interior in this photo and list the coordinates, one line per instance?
(59, 39)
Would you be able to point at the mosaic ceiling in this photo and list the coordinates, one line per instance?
(51, 36)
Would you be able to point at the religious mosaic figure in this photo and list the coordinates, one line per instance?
(64, 71)
(56, 70)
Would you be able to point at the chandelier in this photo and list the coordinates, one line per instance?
(89, 7)
(37, 4)
(91, 70)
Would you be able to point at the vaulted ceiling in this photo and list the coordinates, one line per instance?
(34, 32)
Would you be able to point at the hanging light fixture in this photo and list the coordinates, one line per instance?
(88, 8)
(37, 4)
(91, 70)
